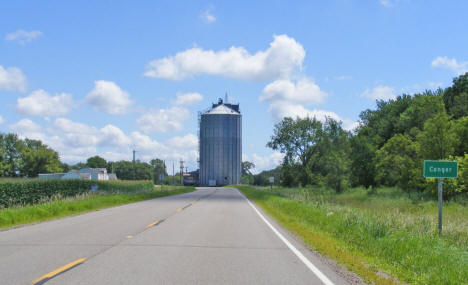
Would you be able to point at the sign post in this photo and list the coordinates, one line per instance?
(440, 169)
(272, 180)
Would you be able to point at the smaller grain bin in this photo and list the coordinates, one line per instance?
(220, 145)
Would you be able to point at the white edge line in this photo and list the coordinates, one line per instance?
(309, 264)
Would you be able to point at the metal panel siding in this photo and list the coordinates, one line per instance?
(220, 148)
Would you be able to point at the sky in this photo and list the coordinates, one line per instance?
(107, 77)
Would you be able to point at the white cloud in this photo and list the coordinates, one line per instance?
(111, 135)
(264, 162)
(283, 57)
(386, 3)
(163, 120)
(380, 93)
(451, 64)
(304, 91)
(25, 125)
(40, 103)
(12, 79)
(344, 77)
(187, 141)
(23, 37)
(109, 97)
(207, 16)
(188, 99)
(1, 120)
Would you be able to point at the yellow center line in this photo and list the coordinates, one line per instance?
(179, 210)
(129, 237)
(59, 270)
(152, 224)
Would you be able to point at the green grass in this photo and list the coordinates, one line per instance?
(381, 236)
(10, 217)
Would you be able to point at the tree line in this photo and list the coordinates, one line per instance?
(28, 157)
(386, 149)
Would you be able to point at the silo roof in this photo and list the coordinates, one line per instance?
(221, 110)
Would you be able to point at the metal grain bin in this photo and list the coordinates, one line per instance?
(220, 145)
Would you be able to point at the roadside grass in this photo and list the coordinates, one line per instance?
(58, 207)
(379, 236)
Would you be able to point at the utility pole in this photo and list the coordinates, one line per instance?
(134, 167)
(181, 172)
(173, 174)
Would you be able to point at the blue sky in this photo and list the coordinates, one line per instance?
(105, 77)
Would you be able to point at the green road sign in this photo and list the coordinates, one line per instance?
(440, 169)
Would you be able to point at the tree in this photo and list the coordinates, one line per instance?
(438, 138)
(247, 167)
(398, 163)
(96, 162)
(461, 134)
(295, 138)
(333, 150)
(421, 108)
(159, 168)
(38, 158)
(124, 170)
(456, 95)
(12, 147)
(362, 161)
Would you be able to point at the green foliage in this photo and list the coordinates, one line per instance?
(453, 187)
(460, 129)
(159, 168)
(124, 170)
(362, 161)
(124, 186)
(32, 191)
(371, 235)
(79, 204)
(247, 167)
(96, 162)
(38, 158)
(438, 138)
(456, 98)
(398, 163)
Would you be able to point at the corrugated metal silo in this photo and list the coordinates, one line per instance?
(220, 145)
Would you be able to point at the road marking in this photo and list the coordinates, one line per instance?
(129, 237)
(57, 271)
(309, 264)
(152, 224)
(179, 210)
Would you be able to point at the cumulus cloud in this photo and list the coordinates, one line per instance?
(188, 99)
(1, 120)
(23, 37)
(263, 162)
(304, 91)
(451, 64)
(187, 141)
(163, 120)
(27, 129)
(207, 16)
(109, 97)
(40, 103)
(283, 57)
(25, 125)
(380, 93)
(12, 79)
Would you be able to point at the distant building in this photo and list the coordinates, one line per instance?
(84, 173)
(220, 145)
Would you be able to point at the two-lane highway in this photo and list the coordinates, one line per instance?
(210, 236)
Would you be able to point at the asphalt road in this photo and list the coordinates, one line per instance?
(210, 236)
